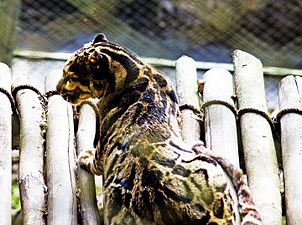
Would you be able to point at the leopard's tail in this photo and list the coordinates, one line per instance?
(247, 208)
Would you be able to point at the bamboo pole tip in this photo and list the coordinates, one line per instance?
(287, 78)
(185, 59)
(242, 59)
(217, 72)
(52, 79)
(5, 76)
(21, 80)
(4, 68)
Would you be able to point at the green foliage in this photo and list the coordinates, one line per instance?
(283, 220)
(15, 195)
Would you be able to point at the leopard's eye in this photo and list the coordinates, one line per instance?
(71, 79)
(73, 68)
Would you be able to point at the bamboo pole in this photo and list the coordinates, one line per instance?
(186, 81)
(220, 121)
(5, 146)
(86, 184)
(32, 186)
(291, 132)
(186, 86)
(258, 145)
(60, 159)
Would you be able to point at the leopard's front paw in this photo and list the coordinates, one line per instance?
(86, 157)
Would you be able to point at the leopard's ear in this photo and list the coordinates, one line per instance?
(95, 58)
(100, 38)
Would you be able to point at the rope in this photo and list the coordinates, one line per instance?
(93, 106)
(219, 102)
(43, 101)
(281, 113)
(48, 94)
(286, 111)
(264, 115)
(239, 113)
(256, 111)
(195, 110)
(30, 87)
(10, 98)
(273, 122)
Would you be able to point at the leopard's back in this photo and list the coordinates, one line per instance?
(151, 176)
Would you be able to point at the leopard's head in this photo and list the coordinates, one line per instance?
(86, 74)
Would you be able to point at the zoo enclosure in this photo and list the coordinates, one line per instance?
(47, 172)
(204, 30)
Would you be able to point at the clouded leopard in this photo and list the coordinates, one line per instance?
(151, 176)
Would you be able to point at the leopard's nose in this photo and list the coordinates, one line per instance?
(59, 86)
(61, 90)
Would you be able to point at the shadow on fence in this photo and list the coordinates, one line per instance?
(54, 190)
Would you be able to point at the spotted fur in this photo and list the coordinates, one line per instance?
(151, 176)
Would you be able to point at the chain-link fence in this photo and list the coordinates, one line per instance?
(207, 30)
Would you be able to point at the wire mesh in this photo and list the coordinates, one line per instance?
(207, 30)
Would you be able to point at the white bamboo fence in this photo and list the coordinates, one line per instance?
(86, 184)
(5, 144)
(187, 91)
(290, 97)
(60, 159)
(258, 146)
(219, 119)
(31, 175)
(223, 111)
